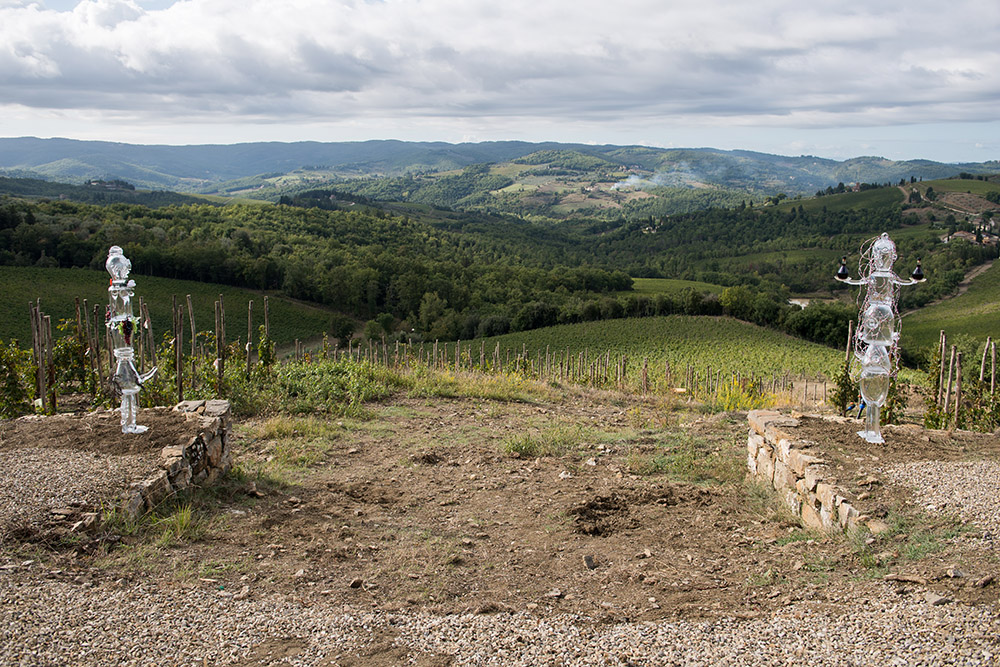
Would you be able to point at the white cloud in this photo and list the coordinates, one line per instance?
(713, 62)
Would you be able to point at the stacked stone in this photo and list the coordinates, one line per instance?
(796, 472)
(200, 461)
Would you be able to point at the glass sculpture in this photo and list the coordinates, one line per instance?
(876, 339)
(123, 326)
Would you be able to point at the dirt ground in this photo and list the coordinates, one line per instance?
(643, 512)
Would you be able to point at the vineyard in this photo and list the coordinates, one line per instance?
(58, 288)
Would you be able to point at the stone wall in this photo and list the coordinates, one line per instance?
(797, 472)
(199, 461)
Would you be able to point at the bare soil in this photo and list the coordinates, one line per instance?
(424, 508)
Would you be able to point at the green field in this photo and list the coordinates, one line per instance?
(722, 343)
(847, 200)
(58, 288)
(960, 185)
(670, 286)
(975, 313)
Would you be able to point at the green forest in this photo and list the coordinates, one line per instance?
(440, 274)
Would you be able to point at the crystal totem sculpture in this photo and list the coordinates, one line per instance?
(123, 325)
(876, 338)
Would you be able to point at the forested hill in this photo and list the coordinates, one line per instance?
(602, 176)
(458, 275)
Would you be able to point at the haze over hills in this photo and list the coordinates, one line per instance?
(227, 168)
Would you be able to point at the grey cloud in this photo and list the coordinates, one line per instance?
(369, 59)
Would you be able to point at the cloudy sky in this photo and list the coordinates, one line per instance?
(835, 79)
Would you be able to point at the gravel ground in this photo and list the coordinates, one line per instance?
(966, 488)
(35, 481)
(53, 622)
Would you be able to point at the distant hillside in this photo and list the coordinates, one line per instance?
(275, 167)
(97, 192)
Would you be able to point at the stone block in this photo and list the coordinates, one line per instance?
(214, 451)
(758, 419)
(811, 517)
(216, 408)
(227, 460)
(826, 495)
(784, 478)
(828, 517)
(172, 452)
(157, 488)
(181, 478)
(846, 514)
(754, 442)
(798, 460)
(801, 488)
(211, 428)
(752, 463)
(765, 466)
(134, 503)
(814, 474)
(794, 502)
(189, 406)
(784, 447)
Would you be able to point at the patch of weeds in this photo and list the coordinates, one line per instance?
(212, 569)
(905, 537)
(797, 535)
(686, 458)
(761, 579)
(819, 564)
(298, 441)
(508, 387)
(180, 525)
(555, 441)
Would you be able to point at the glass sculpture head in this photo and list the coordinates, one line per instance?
(884, 253)
(117, 264)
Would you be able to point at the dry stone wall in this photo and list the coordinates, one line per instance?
(198, 461)
(797, 472)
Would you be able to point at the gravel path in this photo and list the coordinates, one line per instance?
(966, 488)
(34, 481)
(58, 622)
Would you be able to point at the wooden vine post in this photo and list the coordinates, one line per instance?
(178, 347)
(249, 336)
(958, 386)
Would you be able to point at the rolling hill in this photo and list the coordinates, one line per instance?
(223, 168)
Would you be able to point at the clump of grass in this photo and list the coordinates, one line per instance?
(686, 458)
(180, 525)
(298, 441)
(905, 536)
(555, 441)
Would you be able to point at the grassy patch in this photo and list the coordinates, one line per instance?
(555, 441)
(296, 442)
(685, 458)
(906, 538)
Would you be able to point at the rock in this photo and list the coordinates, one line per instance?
(356, 582)
(565, 475)
(954, 573)
(935, 599)
(984, 582)
(908, 578)
(589, 562)
(878, 527)
(554, 593)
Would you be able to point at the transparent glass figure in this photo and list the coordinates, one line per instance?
(123, 325)
(877, 336)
